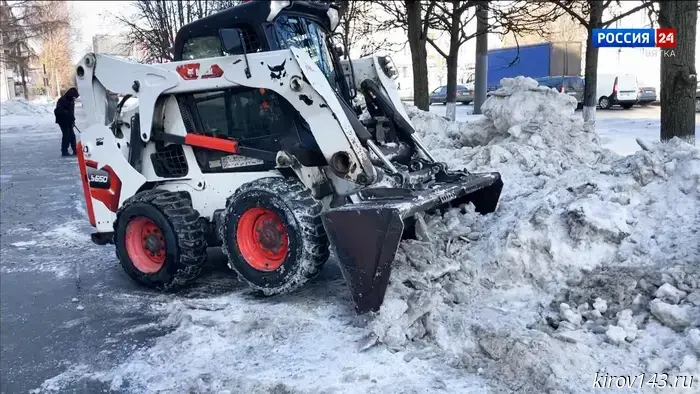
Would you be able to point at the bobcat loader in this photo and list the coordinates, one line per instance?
(252, 140)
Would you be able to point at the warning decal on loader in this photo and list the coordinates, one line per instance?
(235, 161)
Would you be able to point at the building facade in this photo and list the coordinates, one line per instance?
(113, 45)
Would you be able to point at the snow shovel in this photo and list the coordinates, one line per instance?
(366, 234)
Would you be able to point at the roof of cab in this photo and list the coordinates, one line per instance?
(252, 12)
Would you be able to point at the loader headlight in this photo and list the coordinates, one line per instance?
(275, 7)
(387, 65)
(334, 17)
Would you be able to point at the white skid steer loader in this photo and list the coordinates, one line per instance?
(250, 141)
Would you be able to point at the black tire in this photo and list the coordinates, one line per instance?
(605, 103)
(300, 215)
(182, 231)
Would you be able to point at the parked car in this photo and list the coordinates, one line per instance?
(571, 85)
(464, 95)
(697, 99)
(646, 95)
(617, 89)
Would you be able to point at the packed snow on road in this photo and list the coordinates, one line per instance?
(589, 268)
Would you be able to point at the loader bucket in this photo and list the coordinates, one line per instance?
(366, 235)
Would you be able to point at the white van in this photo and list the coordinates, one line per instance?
(617, 89)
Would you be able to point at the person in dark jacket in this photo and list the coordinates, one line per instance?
(65, 117)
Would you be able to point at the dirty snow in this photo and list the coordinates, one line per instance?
(577, 224)
(70, 234)
(23, 244)
(20, 112)
(590, 265)
(22, 107)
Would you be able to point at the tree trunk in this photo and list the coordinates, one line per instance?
(481, 70)
(452, 62)
(419, 55)
(451, 99)
(23, 75)
(590, 98)
(346, 28)
(678, 74)
(346, 40)
(58, 85)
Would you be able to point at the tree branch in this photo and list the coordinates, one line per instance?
(437, 48)
(571, 12)
(630, 12)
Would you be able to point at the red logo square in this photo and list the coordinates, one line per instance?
(666, 38)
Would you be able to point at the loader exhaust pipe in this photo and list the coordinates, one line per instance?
(366, 235)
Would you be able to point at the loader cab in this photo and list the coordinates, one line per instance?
(259, 120)
(270, 26)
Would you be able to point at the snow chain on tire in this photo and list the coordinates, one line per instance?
(187, 227)
(296, 200)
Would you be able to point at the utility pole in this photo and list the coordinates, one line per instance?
(482, 44)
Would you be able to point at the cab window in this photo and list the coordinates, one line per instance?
(201, 47)
(256, 118)
(210, 46)
(304, 34)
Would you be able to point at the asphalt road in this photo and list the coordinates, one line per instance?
(64, 300)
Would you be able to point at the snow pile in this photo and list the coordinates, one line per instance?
(45, 100)
(21, 107)
(588, 252)
(589, 268)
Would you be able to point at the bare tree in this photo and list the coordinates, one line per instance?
(156, 22)
(678, 73)
(590, 15)
(453, 17)
(358, 26)
(413, 18)
(55, 55)
(21, 22)
(553, 28)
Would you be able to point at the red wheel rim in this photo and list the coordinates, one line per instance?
(262, 239)
(145, 245)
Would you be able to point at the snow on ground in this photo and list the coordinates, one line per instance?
(620, 134)
(515, 290)
(21, 107)
(589, 266)
(19, 112)
(618, 128)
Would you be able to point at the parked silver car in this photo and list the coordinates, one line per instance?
(646, 95)
(571, 85)
(464, 95)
